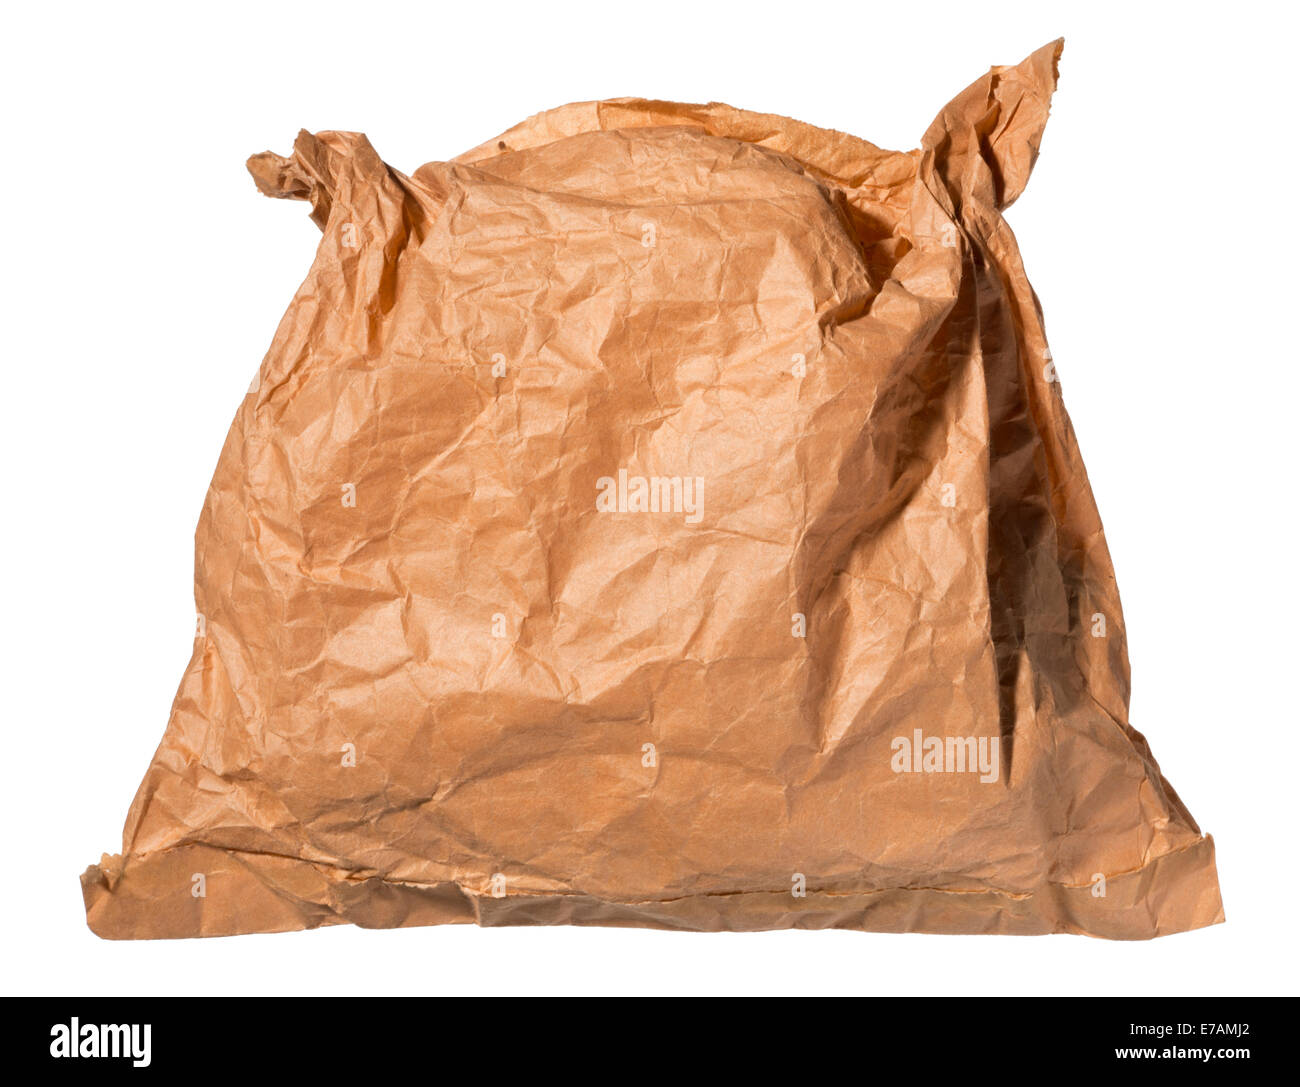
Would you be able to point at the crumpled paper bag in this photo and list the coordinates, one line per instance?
(660, 515)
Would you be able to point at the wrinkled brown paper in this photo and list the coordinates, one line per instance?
(660, 515)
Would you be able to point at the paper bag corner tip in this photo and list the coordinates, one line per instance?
(104, 874)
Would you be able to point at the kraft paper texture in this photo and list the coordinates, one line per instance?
(660, 515)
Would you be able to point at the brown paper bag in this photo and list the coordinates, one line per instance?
(660, 515)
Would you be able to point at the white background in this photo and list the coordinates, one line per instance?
(143, 277)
